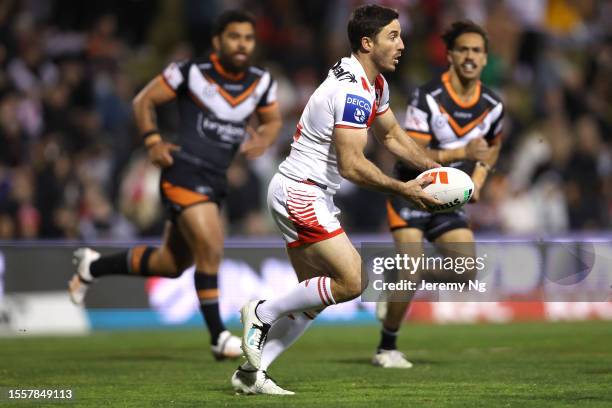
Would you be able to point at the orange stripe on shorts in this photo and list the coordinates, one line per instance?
(182, 196)
(394, 219)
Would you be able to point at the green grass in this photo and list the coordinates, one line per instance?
(562, 364)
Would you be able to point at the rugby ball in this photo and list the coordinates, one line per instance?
(452, 186)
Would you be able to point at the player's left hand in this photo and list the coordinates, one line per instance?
(254, 146)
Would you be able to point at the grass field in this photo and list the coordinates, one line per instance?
(561, 364)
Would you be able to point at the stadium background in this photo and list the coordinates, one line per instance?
(72, 165)
(73, 170)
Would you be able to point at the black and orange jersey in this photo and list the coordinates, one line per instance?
(214, 107)
(435, 114)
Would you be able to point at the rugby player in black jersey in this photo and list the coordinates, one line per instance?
(216, 96)
(459, 120)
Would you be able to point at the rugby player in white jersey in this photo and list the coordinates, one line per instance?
(328, 145)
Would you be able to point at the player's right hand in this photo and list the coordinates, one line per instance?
(477, 149)
(413, 192)
(161, 154)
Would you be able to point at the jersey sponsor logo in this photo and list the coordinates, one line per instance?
(462, 115)
(356, 109)
(225, 132)
(341, 74)
(233, 87)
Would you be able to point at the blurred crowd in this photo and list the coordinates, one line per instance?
(72, 163)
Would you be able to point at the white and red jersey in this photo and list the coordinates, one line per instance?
(344, 100)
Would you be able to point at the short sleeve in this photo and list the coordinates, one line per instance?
(268, 98)
(351, 110)
(383, 99)
(175, 75)
(416, 121)
(497, 127)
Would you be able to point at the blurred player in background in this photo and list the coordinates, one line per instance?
(459, 121)
(216, 98)
(328, 145)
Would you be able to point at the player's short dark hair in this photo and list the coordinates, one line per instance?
(368, 21)
(231, 16)
(461, 27)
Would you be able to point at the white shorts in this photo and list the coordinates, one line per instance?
(304, 213)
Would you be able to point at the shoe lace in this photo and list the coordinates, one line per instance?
(261, 333)
(268, 377)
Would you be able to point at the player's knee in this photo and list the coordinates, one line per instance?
(165, 263)
(348, 288)
(355, 287)
(208, 258)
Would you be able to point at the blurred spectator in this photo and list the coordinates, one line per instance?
(68, 72)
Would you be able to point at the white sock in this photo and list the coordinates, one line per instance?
(283, 333)
(311, 294)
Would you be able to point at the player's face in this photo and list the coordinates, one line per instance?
(235, 46)
(469, 56)
(388, 47)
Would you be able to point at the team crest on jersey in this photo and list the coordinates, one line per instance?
(209, 90)
(440, 121)
(356, 109)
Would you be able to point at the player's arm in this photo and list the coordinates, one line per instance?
(389, 132)
(156, 92)
(355, 167)
(484, 167)
(265, 135)
(477, 149)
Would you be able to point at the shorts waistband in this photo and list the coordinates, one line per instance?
(308, 181)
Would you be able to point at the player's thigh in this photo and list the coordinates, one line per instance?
(457, 243)
(336, 256)
(408, 238)
(408, 241)
(202, 229)
(306, 266)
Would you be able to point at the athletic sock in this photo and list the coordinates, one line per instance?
(208, 294)
(283, 333)
(388, 339)
(311, 294)
(132, 262)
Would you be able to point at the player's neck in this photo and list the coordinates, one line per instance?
(225, 69)
(464, 88)
(368, 66)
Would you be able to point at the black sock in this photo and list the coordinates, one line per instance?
(208, 294)
(115, 264)
(388, 339)
(132, 262)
